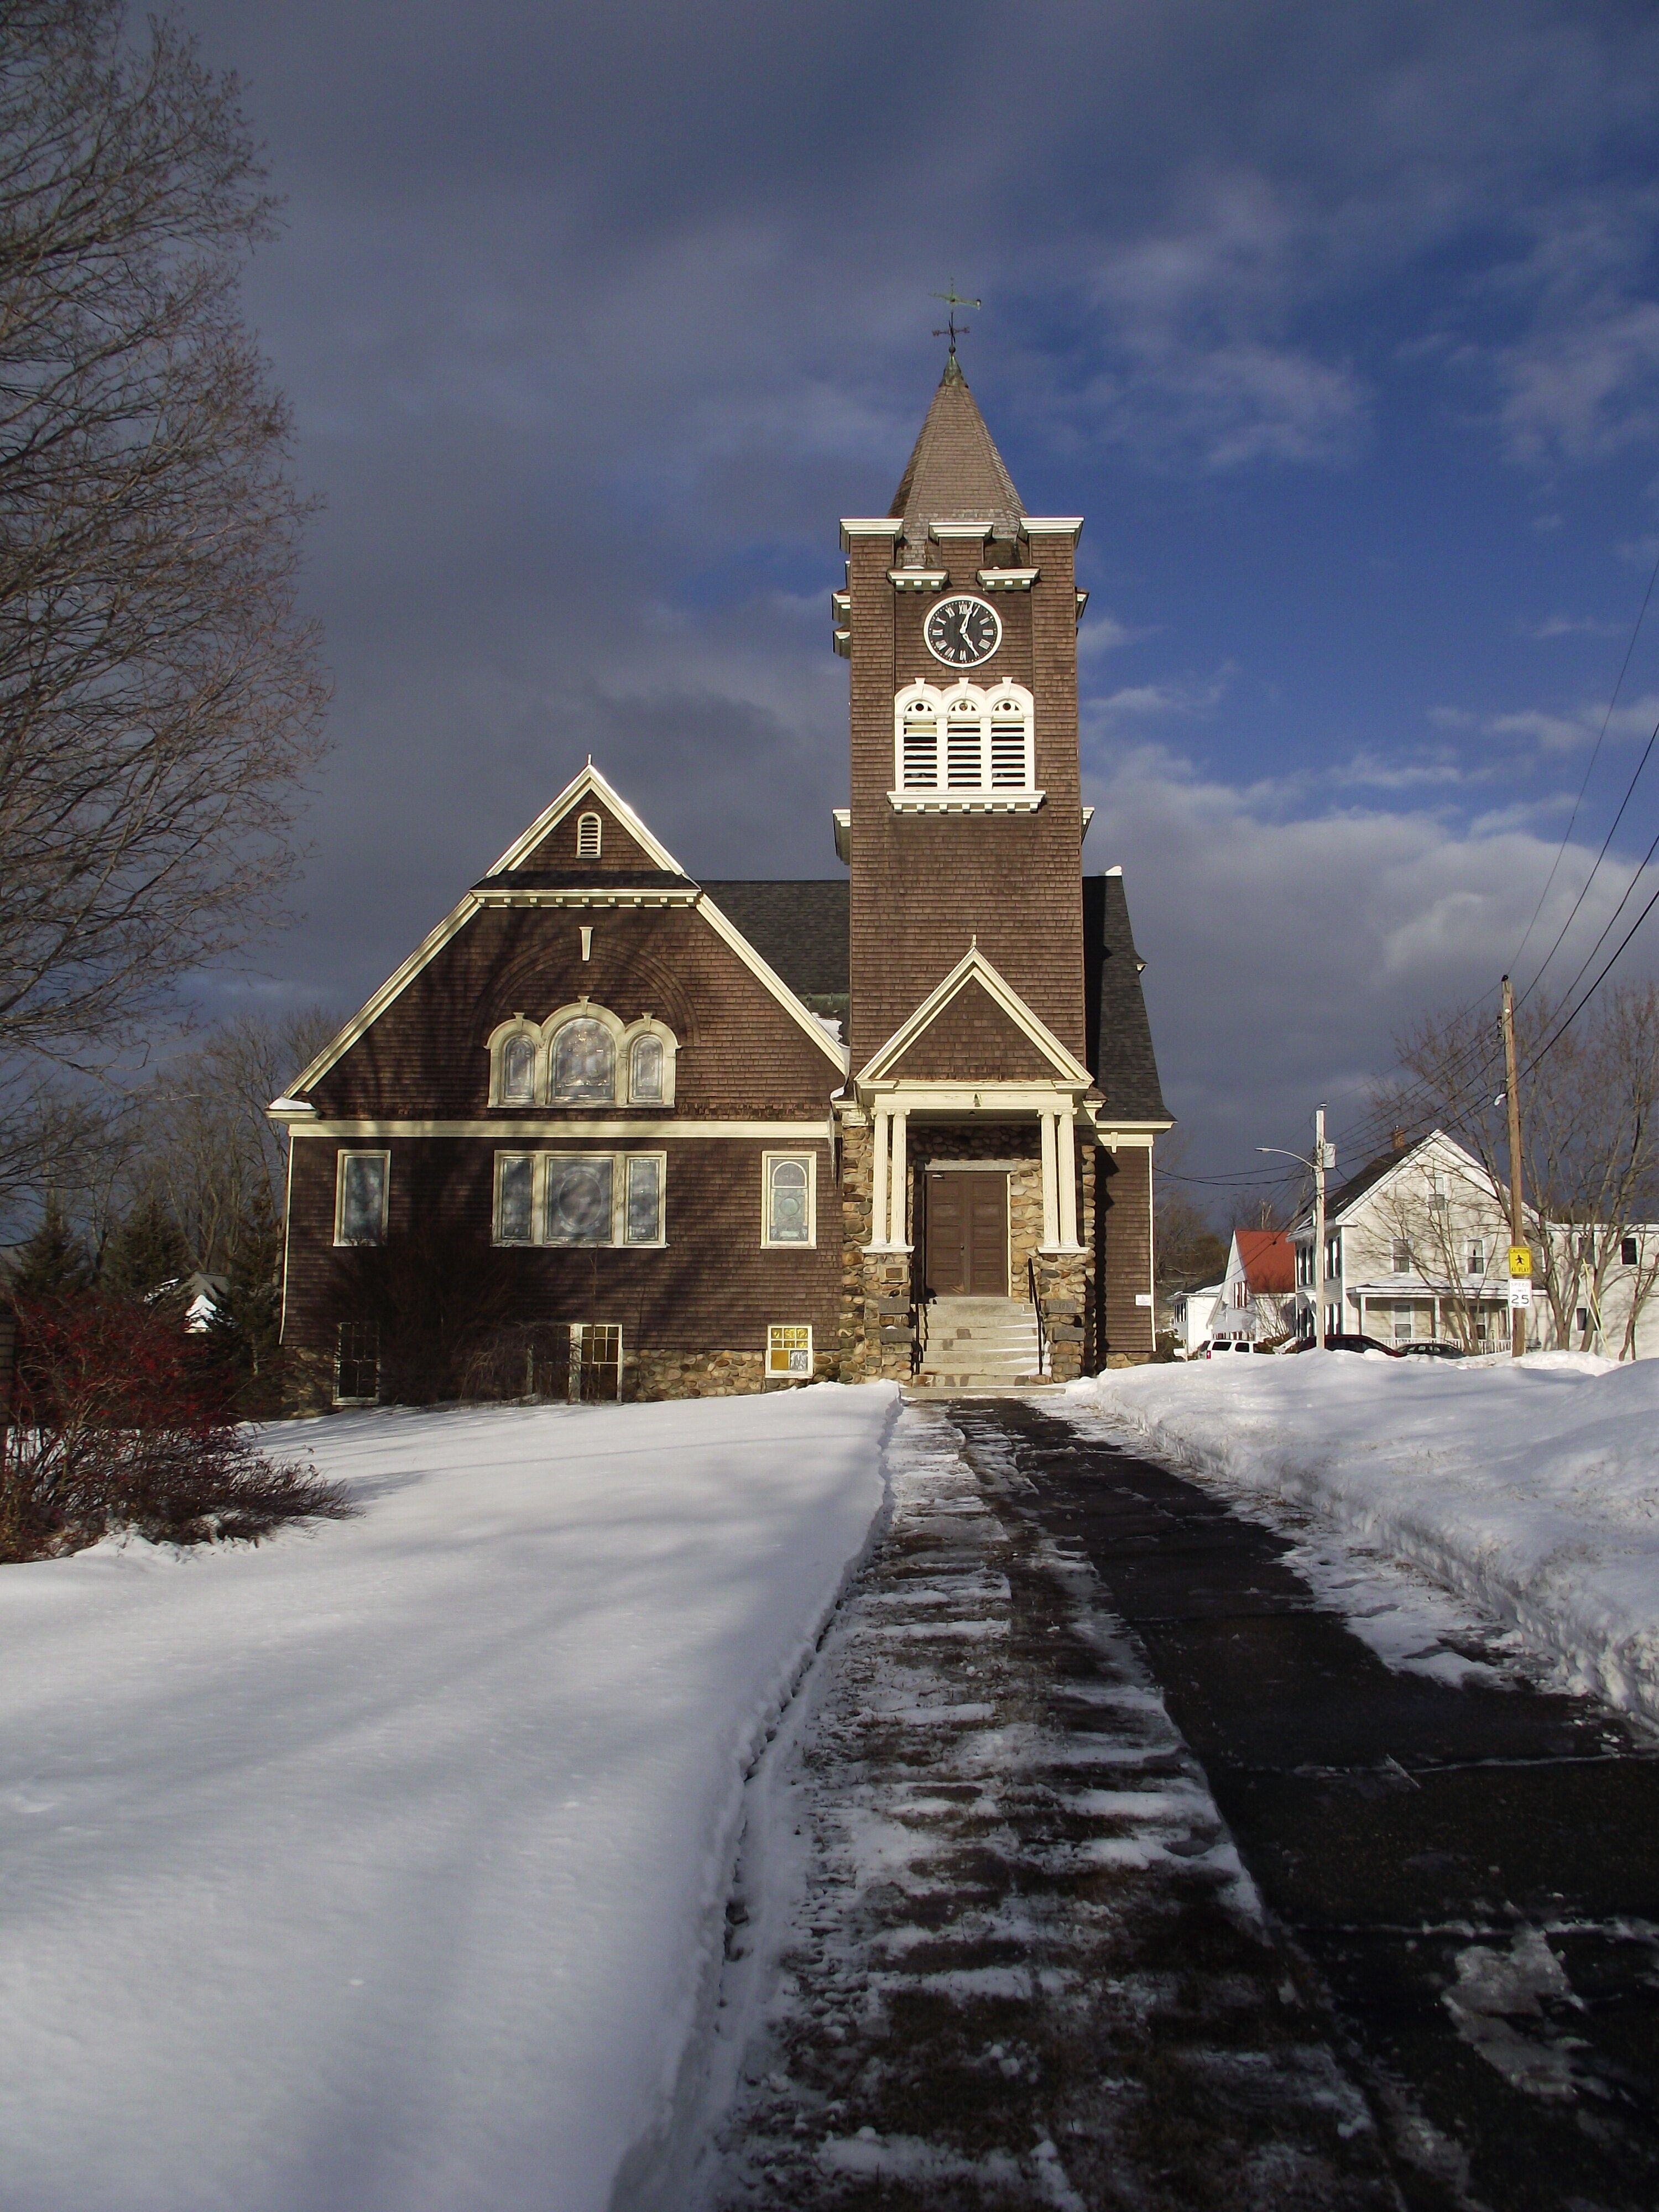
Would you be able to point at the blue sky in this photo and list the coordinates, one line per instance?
(1339, 326)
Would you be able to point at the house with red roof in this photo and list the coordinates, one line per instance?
(1258, 1292)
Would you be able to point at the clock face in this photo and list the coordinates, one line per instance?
(963, 632)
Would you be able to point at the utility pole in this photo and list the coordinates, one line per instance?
(1517, 1222)
(1320, 1164)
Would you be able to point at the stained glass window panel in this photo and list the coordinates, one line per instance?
(787, 1215)
(362, 1198)
(644, 1199)
(519, 1071)
(579, 1199)
(584, 1062)
(516, 1223)
(645, 1071)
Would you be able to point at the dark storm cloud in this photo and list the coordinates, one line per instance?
(595, 320)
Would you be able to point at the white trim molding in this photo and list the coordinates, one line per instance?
(1051, 525)
(1008, 579)
(918, 580)
(869, 525)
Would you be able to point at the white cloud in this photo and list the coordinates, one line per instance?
(1569, 626)
(1282, 953)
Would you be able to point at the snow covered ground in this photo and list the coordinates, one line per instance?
(383, 1868)
(1530, 1489)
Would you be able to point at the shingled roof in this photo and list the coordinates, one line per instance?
(1120, 1038)
(956, 472)
(799, 929)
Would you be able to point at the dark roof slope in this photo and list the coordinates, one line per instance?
(799, 929)
(1359, 1184)
(955, 471)
(1120, 1038)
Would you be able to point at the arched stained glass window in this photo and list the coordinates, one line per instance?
(519, 1071)
(584, 1062)
(789, 1213)
(645, 1071)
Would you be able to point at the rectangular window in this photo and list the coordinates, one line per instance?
(1402, 1257)
(1582, 1322)
(643, 1223)
(360, 1198)
(1402, 1324)
(1477, 1260)
(788, 1352)
(357, 1364)
(578, 1207)
(1627, 1251)
(515, 1198)
(1334, 1254)
(788, 1198)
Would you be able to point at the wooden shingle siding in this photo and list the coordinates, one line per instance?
(711, 1287)
(741, 1056)
(619, 849)
(971, 1039)
(1126, 1229)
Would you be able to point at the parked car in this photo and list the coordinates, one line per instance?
(1337, 1342)
(1429, 1349)
(1228, 1343)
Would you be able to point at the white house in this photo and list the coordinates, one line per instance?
(1194, 1314)
(1417, 1251)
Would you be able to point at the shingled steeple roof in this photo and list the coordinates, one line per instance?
(955, 473)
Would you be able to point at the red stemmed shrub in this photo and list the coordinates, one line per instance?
(120, 1418)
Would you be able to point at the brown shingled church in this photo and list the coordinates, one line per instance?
(678, 1137)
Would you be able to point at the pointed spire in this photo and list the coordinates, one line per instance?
(955, 471)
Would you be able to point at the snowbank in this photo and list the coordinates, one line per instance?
(383, 1868)
(1532, 1488)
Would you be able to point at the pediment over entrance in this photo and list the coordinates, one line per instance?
(974, 1028)
(972, 1040)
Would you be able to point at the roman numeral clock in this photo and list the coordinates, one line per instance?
(963, 631)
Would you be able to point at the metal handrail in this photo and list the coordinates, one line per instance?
(1036, 1308)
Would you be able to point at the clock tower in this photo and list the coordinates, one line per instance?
(973, 1111)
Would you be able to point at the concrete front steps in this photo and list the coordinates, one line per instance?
(985, 1345)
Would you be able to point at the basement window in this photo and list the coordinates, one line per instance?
(788, 1352)
(357, 1364)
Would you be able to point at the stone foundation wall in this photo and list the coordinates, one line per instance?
(307, 1381)
(1063, 1290)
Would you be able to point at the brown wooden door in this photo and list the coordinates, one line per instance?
(967, 1234)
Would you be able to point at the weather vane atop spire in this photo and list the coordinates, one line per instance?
(953, 300)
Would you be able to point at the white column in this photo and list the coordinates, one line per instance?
(1050, 1197)
(1065, 1167)
(878, 1123)
(897, 1225)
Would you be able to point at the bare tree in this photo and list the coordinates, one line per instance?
(210, 1151)
(159, 696)
(1589, 1133)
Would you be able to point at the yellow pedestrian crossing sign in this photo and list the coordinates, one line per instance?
(1520, 1261)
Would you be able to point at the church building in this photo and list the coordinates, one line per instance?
(691, 1137)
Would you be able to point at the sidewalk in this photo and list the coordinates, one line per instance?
(1001, 1952)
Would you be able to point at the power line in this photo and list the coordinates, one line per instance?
(1550, 1042)
(1630, 790)
(1624, 667)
